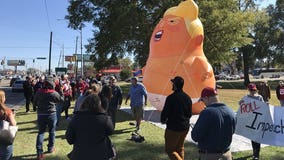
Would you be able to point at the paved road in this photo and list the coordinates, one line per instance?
(13, 99)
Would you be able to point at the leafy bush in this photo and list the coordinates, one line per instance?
(125, 73)
(273, 83)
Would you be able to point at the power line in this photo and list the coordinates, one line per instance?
(47, 16)
(20, 47)
(23, 47)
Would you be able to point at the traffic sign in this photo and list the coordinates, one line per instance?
(16, 62)
(60, 69)
(70, 58)
(86, 57)
(40, 57)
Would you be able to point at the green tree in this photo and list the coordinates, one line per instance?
(247, 51)
(265, 51)
(277, 32)
(125, 62)
(123, 27)
(225, 28)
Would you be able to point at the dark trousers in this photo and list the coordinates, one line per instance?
(34, 105)
(65, 105)
(112, 114)
(28, 102)
(255, 148)
(174, 144)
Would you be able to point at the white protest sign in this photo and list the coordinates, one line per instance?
(260, 122)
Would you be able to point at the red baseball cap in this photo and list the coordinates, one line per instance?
(252, 87)
(208, 92)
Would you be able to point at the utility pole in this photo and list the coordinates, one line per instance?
(76, 59)
(63, 58)
(82, 58)
(50, 45)
(3, 63)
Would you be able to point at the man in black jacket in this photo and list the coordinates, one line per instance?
(28, 92)
(116, 99)
(176, 114)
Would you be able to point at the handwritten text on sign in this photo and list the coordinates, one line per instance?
(260, 122)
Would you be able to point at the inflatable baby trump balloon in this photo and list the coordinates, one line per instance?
(176, 50)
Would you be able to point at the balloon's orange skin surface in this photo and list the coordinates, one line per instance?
(176, 49)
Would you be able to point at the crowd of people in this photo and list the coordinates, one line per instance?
(97, 103)
(50, 96)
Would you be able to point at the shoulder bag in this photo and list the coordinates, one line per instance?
(7, 132)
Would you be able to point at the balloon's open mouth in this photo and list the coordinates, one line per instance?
(158, 35)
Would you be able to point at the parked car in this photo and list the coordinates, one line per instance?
(13, 80)
(127, 80)
(140, 79)
(1, 77)
(235, 77)
(18, 85)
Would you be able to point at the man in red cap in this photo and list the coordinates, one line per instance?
(214, 128)
(176, 114)
(254, 95)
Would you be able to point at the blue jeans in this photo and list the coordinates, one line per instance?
(6, 152)
(44, 121)
(58, 111)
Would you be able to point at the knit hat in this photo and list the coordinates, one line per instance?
(49, 82)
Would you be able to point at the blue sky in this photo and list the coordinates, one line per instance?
(25, 31)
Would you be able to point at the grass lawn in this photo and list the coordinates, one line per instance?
(151, 149)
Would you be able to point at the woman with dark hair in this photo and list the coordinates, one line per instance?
(94, 89)
(105, 95)
(88, 131)
(6, 151)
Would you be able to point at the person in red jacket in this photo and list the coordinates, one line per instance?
(280, 93)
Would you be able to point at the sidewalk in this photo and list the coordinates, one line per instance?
(16, 106)
(152, 115)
